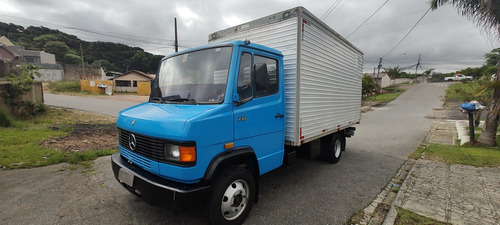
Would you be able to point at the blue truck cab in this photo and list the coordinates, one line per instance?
(215, 122)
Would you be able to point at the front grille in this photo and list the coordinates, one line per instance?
(148, 147)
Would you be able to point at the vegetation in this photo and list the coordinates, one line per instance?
(20, 145)
(64, 86)
(368, 86)
(389, 94)
(20, 83)
(394, 72)
(406, 217)
(485, 14)
(66, 48)
(465, 155)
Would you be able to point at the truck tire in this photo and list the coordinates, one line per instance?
(232, 196)
(332, 147)
(450, 80)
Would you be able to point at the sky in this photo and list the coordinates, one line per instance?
(445, 40)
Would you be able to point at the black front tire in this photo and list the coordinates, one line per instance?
(232, 196)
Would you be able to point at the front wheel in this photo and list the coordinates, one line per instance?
(232, 196)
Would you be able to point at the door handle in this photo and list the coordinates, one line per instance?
(279, 115)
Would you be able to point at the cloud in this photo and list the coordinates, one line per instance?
(444, 38)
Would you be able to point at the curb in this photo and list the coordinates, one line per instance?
(387, 197)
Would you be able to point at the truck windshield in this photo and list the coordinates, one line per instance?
(197, 77)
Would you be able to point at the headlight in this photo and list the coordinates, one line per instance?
(185, 154)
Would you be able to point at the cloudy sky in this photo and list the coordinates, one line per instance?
(446, 41)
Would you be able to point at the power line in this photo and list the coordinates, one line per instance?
(335, 7)
(367, 19)
(329, 10)
(408, 32)
(127, 37)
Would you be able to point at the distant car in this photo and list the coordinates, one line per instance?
(458, 77)
(101, 85)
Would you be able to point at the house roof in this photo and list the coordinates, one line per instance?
(4, 40)
(148, 76)
(9, 50)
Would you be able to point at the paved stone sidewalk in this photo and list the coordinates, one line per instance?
(453, 193)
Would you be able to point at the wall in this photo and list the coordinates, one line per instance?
(47, 58)
(130, 77)
(91, 85)
(50, 75)
(75, 72)
(402, 81)
(144, 88)
(35, 95)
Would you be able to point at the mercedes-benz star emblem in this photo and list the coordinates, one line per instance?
(132, 143)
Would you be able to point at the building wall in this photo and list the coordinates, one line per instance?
(129, 77)
(92, 86)
(144, 88)
(47, 58)
(75, 72)
(50, 75)
(5, 55)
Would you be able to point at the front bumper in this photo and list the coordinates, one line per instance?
(156, 190)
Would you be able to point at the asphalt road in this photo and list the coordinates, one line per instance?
(312, 192)
(95, 105)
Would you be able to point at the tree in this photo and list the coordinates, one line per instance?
(492, 57)
(58, 48)
(72, 59)
(368, 86)
(393, 72)
(428, 72)
(486, 14)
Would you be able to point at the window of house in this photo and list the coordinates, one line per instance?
(134, 84)
(122, 83)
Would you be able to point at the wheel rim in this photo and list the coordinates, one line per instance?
(235, 199)
(337, 148)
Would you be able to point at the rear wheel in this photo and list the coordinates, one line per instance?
(232, 196)
(332, 147)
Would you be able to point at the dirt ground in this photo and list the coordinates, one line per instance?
(84, 137)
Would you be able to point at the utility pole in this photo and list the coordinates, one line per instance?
(83, 63)
(416, 68)
(176, 41)
(378, 73)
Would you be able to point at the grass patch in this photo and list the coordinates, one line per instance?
(20, 144)
(388, 97)
(65, 86)
(390, 94)
(466, 155)
(406, 217)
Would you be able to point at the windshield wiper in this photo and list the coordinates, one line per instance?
(190, 100)
(156, 99)
(177, 98)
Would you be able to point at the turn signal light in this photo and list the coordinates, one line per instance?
(187, 153)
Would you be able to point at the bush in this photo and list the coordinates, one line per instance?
(5, 119)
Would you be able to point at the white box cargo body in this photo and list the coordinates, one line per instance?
(323, 71)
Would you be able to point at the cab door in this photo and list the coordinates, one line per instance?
(259, 115)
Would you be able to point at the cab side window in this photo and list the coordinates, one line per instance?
(271, 81)
(245, 87)
(258, 77)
